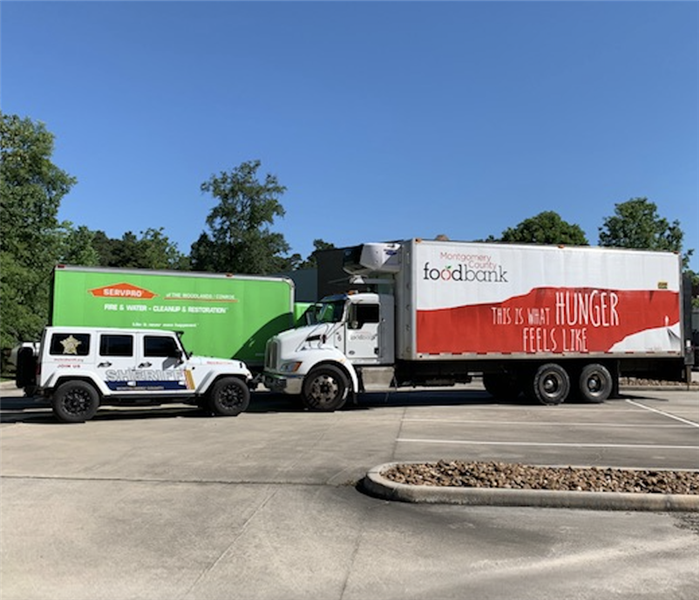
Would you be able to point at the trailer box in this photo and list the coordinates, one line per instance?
(221, 315)
(499, 300)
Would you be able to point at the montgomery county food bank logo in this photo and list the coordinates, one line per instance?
(465, 268)
(122, 290)
(464, 274)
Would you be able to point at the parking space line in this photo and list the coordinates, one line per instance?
(665, 414)
(547, 444)
(547, 423)
(567, 408)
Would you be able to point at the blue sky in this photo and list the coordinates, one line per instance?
(385, 120)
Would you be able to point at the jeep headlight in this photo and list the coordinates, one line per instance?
(290, 367)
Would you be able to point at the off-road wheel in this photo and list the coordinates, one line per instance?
(595, 383)
(325, 389)
(229, 397)
(549, 385)
(75, 402)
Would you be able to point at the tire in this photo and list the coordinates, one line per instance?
(229, 397)
(25, 377)
(501, 386)
(325, 389)
(549, 385)
(75, 402)
(595, 383)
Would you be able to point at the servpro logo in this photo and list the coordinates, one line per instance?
(482, 272)
(123, 290)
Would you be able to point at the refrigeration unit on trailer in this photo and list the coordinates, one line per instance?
(544, 320)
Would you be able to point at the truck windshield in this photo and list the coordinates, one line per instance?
(327, 312)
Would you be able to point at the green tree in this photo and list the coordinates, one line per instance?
(152, 250)
(296, 262)
(637, 224)
(545, 228)
(31, 237)
(312, 260)
(158, 252)
(104, 246)
(239, 239)
(78, 248)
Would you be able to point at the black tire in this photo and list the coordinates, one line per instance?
(549, 385)
(325, 389)
(75, 402)
(595, 383)
(501, 386)
(229, 397)
(25, 377)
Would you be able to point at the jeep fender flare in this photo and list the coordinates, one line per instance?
(57, 379)
(213, 375)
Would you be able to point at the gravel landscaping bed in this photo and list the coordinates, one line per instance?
(525, 477)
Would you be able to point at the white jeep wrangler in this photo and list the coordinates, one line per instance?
(80, 368)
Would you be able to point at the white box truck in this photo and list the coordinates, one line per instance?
(544, 320)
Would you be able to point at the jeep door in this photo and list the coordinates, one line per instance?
(160, 367)
(116, 361)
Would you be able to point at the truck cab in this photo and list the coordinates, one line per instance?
(319, 360)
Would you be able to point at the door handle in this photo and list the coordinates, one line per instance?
(144, 365)
(104, 365)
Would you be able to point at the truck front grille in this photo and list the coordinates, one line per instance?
(271, 354)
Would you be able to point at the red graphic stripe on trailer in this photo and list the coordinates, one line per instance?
(553, 320)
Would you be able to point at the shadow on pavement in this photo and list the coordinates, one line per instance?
(270, 402)
(38, 411)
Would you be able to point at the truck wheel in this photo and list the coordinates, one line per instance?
(75, 402)
(325, 389)
(501, 386)
(550, 384)
(229, 397)
(595, 383)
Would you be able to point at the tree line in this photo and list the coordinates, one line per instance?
(238, 237)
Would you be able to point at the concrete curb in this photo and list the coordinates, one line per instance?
(377, 485)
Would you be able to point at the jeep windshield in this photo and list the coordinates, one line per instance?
(327, 311)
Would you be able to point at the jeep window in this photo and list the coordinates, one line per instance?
(116, 345)
(70, 344)
(155, 345)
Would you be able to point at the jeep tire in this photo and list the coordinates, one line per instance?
(75, 402)
(229, 397)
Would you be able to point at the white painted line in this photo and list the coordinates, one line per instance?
(665, 414)
(568, 408)
(545, 423)
(547, 444)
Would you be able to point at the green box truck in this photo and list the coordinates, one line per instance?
(220, 315)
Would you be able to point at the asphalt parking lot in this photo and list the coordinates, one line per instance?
(167, 503)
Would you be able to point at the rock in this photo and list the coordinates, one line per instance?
(519, 476)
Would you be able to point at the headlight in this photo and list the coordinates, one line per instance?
(290, 367)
